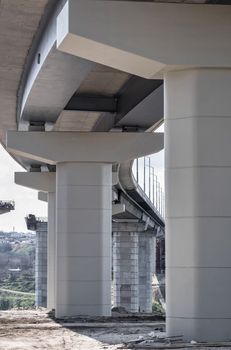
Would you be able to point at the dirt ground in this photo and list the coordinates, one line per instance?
(36, 329)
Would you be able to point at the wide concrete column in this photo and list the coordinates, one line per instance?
(146, 270)
(83, 239)
(198, 191)
(83, 208)
(41, 264)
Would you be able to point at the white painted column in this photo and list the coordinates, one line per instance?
(83, 239)
(51, 251)
(83, 207)
(198, 217)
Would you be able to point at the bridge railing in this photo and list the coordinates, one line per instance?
(146, 177)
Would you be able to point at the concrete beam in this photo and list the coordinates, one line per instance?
(57, 147)
(118, 208)
(115, 178)
(126, 226)
(37, 181)
(167, 34)
(42, 196)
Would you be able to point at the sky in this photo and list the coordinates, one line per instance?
(26, 201)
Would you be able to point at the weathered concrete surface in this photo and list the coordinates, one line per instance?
(146, 270)
(19, 20)
(126, 270)
(41, 265)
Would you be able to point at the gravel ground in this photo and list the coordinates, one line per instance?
(36, 329)
(22, 330)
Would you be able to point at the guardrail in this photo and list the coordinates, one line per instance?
(144, 174)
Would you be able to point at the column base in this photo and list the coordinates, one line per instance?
(208, 330)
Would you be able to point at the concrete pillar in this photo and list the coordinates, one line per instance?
(83, 207)
(45, 182)
(198, 216)
(83, 239)
(126, 270)
(41, 265)
(51, 254)
(146, 270)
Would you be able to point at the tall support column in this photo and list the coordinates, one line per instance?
(146, 270)
(83, 208)
(51, 256)
(41, 265)
(83, 239)
(198, 173)
(126, 270)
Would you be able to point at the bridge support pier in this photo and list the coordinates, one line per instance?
(198, 214)
(83, 208)
(51, 257)
(146, 270)
(133, 267)
(126, 270)
(41, 265)
(83, 285)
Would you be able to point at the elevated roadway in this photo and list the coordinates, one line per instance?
(81, 94)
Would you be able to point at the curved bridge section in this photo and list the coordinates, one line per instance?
(138, 179)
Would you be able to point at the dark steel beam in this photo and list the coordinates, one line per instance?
(92, 103)
(115, 108)
(134, 92)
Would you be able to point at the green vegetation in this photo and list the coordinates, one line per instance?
(17, 261)
(24, 249)
(24, 283)
(157, 308)
(5, 247)
(10, 300)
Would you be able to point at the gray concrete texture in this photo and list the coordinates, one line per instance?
(198, 204)
(41, 265)
(20, 19)
(146, 271)
(133, 267)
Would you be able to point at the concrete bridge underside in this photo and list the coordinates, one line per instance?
(86, 84)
